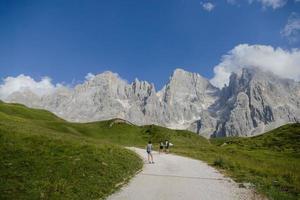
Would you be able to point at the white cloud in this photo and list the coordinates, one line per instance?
(265, 3)
(20, 83)
(89, 76)
(271, 3)
(42, 87)
(283, 63)
(292, 28)
(208, 6)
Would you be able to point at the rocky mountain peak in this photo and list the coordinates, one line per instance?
(187, 87)
(142, 89)
(180, 75)
(256, 101)
(106, 77)
(253, 102)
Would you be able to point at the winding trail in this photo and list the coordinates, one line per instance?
(175, 177)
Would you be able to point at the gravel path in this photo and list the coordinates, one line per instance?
(176, 178)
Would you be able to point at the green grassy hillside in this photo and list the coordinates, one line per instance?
(39, 162)
(285, 138)
(270, 161)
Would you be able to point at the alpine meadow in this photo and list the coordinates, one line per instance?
(150, 100)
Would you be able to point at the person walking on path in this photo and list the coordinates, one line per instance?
(161, 147)
(167, 145)
(149, 152)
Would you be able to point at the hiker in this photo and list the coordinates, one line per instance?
(149, 152)
(161, 147)
(167, 145)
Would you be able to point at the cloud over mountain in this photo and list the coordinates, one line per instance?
(283, 63)
(23, 82)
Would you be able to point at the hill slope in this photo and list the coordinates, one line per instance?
(271, 160)
(76, 151)
(38, 162)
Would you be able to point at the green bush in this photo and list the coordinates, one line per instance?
(219, 162)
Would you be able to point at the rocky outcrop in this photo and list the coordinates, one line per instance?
(256, 101)
(253, 102)
(186, 97)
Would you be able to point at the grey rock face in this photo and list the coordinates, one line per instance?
(253, 102)
(185, 98)
(256, 101)
(26, 97)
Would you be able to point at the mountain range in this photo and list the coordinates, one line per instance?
(253, 102)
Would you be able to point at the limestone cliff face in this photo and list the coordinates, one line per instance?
(186, 97)
(254, 101)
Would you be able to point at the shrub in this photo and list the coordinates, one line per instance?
(219, 162)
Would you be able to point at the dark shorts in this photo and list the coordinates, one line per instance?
(149, 152)
(161, 147)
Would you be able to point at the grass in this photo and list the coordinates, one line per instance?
(38, 162)
(270, 161)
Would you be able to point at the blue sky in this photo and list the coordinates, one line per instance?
(148, 39)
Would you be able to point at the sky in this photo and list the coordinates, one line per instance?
(61, 41)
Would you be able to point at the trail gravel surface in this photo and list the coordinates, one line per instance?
(174, 177)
